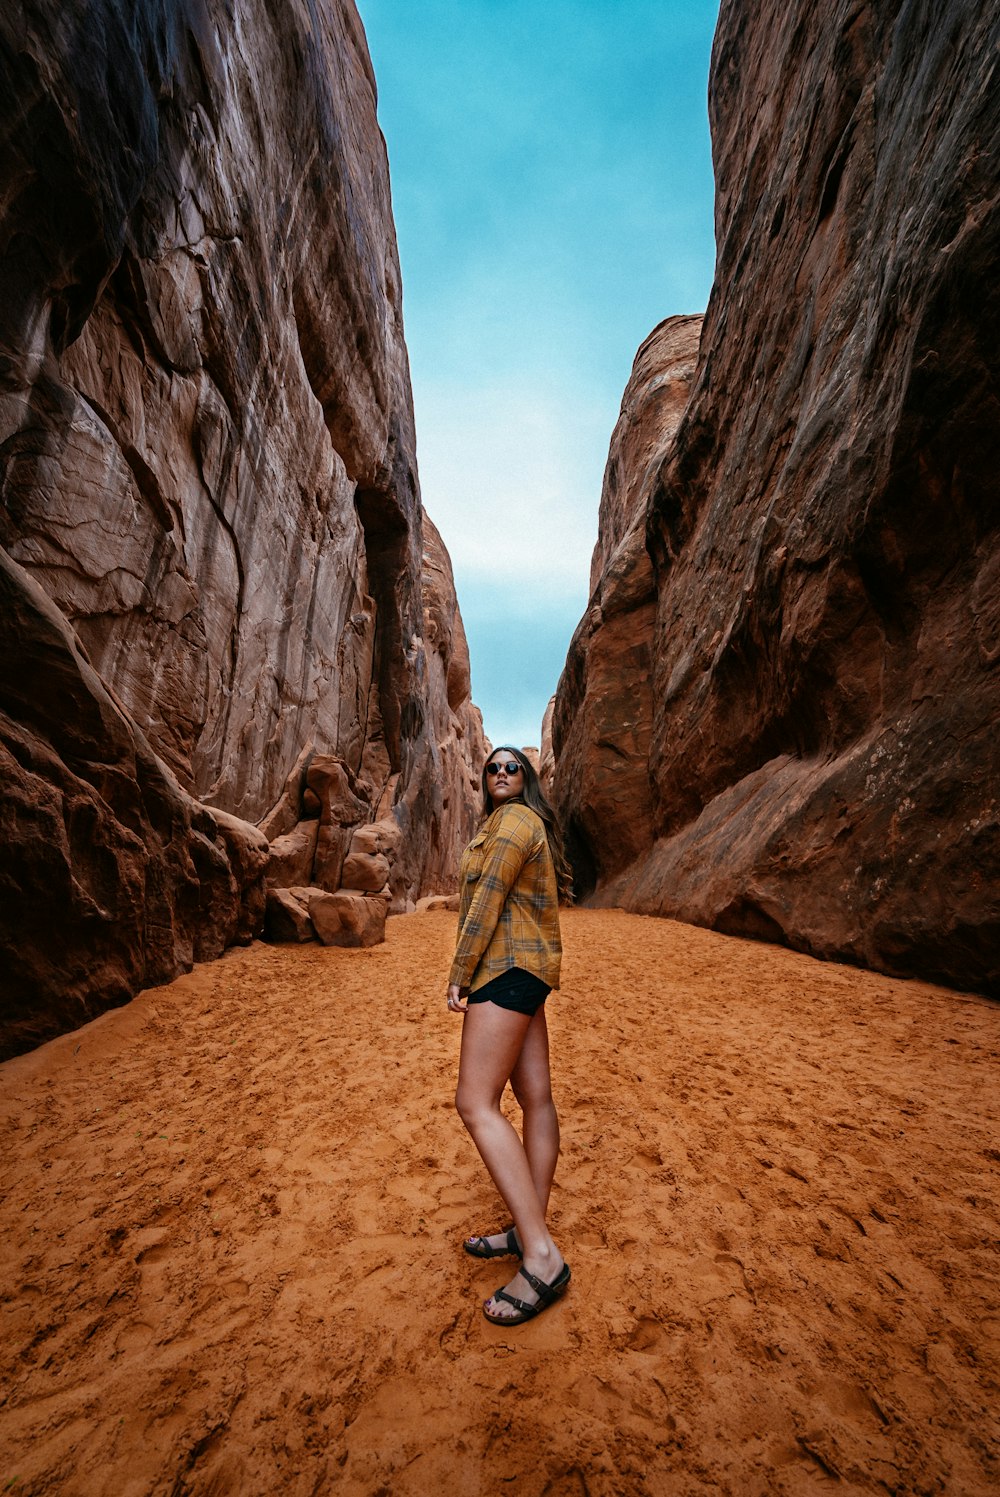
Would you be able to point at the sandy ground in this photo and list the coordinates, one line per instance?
(233, 1212)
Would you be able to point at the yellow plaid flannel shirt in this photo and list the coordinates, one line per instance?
(508, 913)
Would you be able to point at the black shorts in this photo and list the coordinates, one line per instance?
(522, 992)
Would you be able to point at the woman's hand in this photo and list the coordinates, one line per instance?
(455, 997)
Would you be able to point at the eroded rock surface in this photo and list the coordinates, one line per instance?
(603, 715)
(360, 837)
(206, 429)
(447, 778)
(823, 763)
(347, 918)
(112, 877)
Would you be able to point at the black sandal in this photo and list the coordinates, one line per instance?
(480, 1247)
(547, 1295)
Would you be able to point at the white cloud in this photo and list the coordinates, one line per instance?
(512, 478)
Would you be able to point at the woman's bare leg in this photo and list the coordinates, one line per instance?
(492, 1041)
(532, 1086)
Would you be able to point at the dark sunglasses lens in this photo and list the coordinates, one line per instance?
(510, 767)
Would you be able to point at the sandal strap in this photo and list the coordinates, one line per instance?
(519, 1304)
(546, 1292)
(483, 1247)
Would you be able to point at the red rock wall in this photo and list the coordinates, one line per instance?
(206, 428)
(458, 747)
(602, 719)
(823, 531)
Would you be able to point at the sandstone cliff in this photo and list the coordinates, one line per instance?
(602, 719)
(208, 468)
(823, 530)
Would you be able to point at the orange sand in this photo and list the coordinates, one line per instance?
(233, 1214)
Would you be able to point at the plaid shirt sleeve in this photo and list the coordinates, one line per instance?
(515, 870)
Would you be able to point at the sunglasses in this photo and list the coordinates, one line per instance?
(510, 768)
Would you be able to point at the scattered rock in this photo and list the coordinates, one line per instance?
(291, 858)
(378, 837)
(287, 918)
(347, 918)
(365, 871)
(341, 809)
(437, 902)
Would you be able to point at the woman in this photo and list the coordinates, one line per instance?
(506, 962)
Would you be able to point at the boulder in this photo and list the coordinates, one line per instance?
(347, 918)
(341, 809)
(287, 918)
(336, 789)
(291, 857)
(378, 837)
(431, 902)
(365, 871)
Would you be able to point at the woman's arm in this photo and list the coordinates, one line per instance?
(457, 997)
(505, 851)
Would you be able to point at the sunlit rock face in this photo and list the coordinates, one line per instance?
(208, 457)
(458, 748)
(602, 718)
(823, 763)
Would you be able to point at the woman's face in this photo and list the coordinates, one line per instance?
(504, 777)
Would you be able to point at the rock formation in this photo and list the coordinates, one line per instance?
(208, 469)
(546, 756)
(603, 717)
(324, 835)
(823, 530)
(449, 782)
(112, 877)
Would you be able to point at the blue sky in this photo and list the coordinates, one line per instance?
(552, 191)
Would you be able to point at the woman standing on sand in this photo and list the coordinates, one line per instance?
(506, 962)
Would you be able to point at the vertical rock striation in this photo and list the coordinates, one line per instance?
(456, 726)
(823, 530)
(602, 720)
(206, 445)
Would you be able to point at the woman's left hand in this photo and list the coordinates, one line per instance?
(455, 996)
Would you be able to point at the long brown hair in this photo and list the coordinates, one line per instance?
(533, 797)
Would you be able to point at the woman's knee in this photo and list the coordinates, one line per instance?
(533, 1095)
(470, 1105)
(535, 1104)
